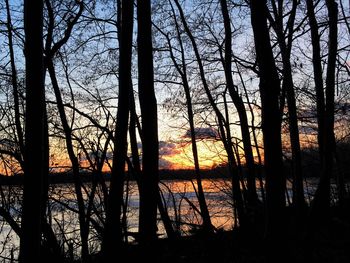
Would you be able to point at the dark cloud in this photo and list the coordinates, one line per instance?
(203, 133)
(167, 148)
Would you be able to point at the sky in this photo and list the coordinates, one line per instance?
(174, 142)
(178, 154)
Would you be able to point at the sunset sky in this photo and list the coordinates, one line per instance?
(175, 149)
(178, 155)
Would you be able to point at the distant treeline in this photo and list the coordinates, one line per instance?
(311, 166)
(87, 176)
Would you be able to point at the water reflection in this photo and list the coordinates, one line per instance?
(179, 197)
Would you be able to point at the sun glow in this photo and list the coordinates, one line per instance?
(210, 155)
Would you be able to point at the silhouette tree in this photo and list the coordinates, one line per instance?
(325, 105)
(271, 121)
(35, 156)
(51, 50)
(206, 54)
(181, 68)
(284, 40)
(239, 104)
(149, 132)
(317, 70)
(14, 81)
(136, 167)
(113, 229)
(224, 126)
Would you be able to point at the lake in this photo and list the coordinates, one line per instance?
(178, 195)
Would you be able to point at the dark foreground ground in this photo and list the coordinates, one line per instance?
(329, 243)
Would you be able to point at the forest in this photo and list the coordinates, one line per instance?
(175, 131)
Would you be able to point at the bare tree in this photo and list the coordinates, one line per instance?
(284, 40)
(224, 126)
(325, 105)
(14, 80)
(51, 50)
(181, 68)
(148, 104)
(113, 228)
(134, 126)
(271, 120)
(238, 102)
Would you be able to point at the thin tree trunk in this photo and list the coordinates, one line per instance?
(259, 170)
(98, 179)
(50, 51)
(84, 227)
(226, 137)
(287, 85)
(182, 70)
(317, 66)
(238, 102)
(201, 198)
(14, 81)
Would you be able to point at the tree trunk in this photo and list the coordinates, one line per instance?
(287, 85)
(316, 61)
(137, 168)
(50, 51)
(321, 202)
(182, 70)
(14, 82)
(34, 155)
(225, 136)
(84, 228)
(201, 198)
(258, 170)
(238, 102)
(271, 121)
(148, 105)
(113, 229)
(298, 188)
